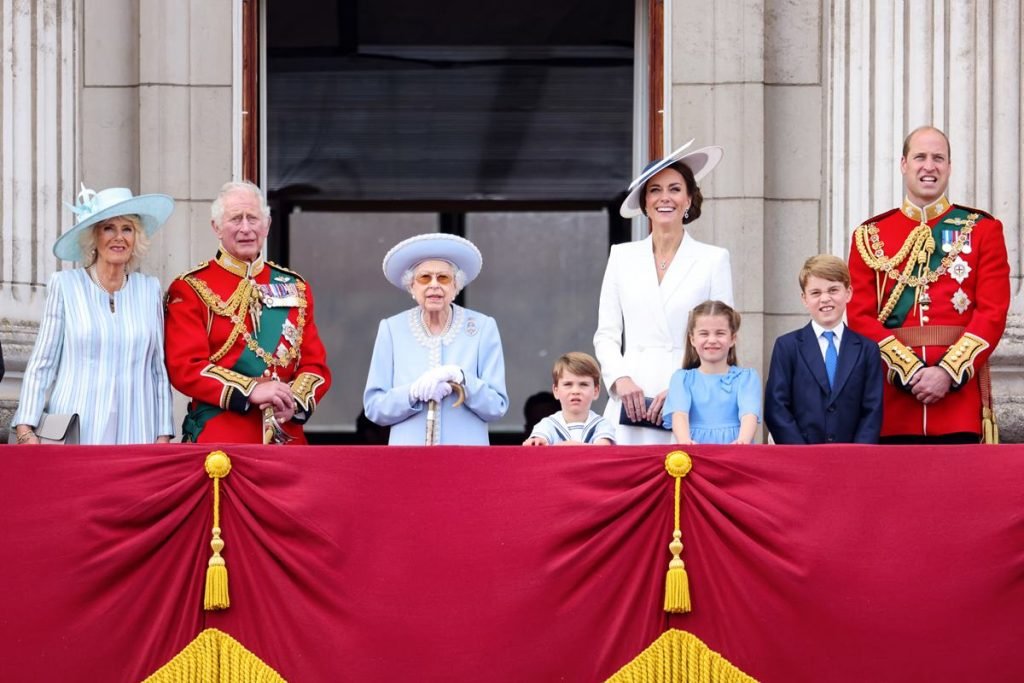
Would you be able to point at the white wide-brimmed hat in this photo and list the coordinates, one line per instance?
(95, 207)
(428, 247)
(701, 161)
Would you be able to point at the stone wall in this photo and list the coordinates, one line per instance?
(135, 93)
(812, 101)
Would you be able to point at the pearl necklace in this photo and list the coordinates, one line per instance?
(91, 270)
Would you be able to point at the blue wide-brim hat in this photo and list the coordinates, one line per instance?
(428, 247)
(701, 161)
(153, 211)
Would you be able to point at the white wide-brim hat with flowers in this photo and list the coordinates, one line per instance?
(701, 161)
(432, 246)
(153, 211)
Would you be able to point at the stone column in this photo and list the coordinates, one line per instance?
(38, 87)
(154, 111)
(896, 65)
(794, 222)
(718, 97)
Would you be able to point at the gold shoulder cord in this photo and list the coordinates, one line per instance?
(917, 249)
(246, 300)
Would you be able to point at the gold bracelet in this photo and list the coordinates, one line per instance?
(23, 437)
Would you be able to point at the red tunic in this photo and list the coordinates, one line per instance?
(218, 379)
(972, 292)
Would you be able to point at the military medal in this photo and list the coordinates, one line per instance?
(960, 301)
(279, 296)
(947, 241)
(290, 332)
(959, 270)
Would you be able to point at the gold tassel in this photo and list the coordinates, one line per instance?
(677, 584)
(989, 428)
(218, 464)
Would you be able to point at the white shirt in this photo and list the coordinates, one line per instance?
(822, 342)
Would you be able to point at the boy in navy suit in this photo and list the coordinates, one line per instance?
(824, 382)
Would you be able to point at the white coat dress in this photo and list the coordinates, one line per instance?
(653, 317)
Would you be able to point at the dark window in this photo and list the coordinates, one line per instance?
(509, 123)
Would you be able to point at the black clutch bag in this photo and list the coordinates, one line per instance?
(624, 418)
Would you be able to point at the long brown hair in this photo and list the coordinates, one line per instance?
(690, 358)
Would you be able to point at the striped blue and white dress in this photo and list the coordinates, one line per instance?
(107, 367)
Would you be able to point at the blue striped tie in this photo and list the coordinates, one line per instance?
(831, 356)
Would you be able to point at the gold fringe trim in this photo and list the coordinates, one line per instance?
(679, 657)
(215, 657)
(677, 584)
(218, 464)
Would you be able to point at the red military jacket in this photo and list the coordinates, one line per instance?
(949, 314)
(230, 323)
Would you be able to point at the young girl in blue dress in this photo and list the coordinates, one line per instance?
(711, 400)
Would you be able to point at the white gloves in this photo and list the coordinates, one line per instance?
(452, 373)
(433, 385)
(440, 390)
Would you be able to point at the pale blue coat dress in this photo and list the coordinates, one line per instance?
(715, 403)
(107, 367)
(404, 351)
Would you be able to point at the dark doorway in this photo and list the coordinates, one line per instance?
(508, 123)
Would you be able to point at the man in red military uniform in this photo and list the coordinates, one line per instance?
(931, 285)
(240, 337)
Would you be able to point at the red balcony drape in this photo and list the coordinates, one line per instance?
(513, 564)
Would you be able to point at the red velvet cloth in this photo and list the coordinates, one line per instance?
(511, 564)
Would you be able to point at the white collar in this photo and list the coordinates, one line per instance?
(838, 329)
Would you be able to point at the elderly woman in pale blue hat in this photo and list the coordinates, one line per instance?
(650, 286)
(438, 371)
(99, 352)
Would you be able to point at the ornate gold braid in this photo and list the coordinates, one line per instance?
(245, 299)
(920, 245)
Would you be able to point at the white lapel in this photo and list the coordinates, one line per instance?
(683, 263)
(646, 273)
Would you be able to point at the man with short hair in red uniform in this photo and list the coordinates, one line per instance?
(931, 285)
(240, 337)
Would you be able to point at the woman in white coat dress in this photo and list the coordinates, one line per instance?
(650, 287)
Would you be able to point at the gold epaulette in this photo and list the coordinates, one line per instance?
(900, 358)
(959, 359)
(287, 270)
(195, 269)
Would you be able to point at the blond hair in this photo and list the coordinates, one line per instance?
(90, 238)
(576, 363)
(827, 267)
(709, 308)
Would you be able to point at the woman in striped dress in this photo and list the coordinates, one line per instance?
(99, 352)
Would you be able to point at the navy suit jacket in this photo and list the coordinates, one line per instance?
(799, 405)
